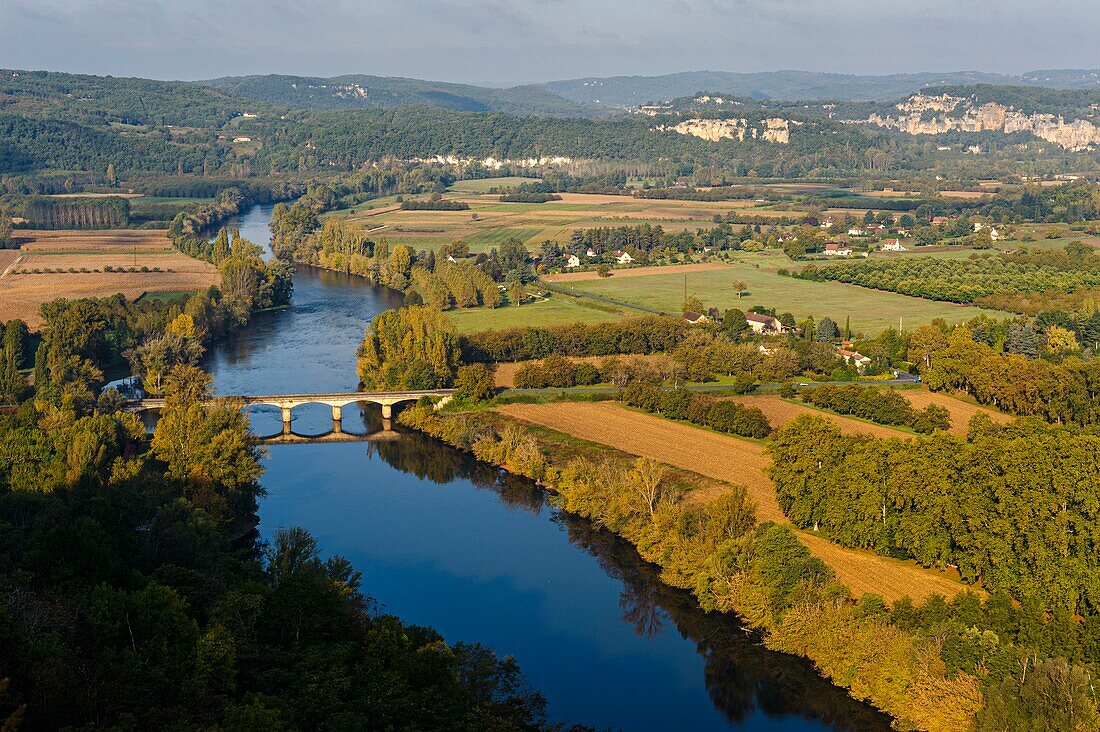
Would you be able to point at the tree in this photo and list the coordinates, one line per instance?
(740, 286)
(112, 177)
(1061, 341)
(692, 305)
(735, 323)
(474, 383)
(826, 330)
(603, 270)
(516, 292)
(408, 348)
(647, 479)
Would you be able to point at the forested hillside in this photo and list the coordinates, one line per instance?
(360, 91)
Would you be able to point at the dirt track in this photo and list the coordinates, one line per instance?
(731, 460)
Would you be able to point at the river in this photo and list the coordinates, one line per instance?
(442, 540)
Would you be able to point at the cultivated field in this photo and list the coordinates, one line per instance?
(731, 460)
(65, 253)
(961, 411)
(870, 310)
(489, 221)
(781, 412)
(505, 373)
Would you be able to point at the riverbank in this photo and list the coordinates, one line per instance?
(708, 546)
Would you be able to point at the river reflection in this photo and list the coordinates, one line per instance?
(443, 540)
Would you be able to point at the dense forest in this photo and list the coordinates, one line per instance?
(134, 559)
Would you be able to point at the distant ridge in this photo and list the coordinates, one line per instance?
(361, 91)
(630, 91)
(602, 96)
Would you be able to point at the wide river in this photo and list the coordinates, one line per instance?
(442, 540)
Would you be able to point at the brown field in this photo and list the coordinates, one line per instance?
(961, 411)
(101, 241)
(23, 292)
(732, 460)
(637, 272)
(505, 373)
(780, 413)
(7, 257)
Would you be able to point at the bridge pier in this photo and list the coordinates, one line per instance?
(337, 412)
(387, 411)
(286, 419)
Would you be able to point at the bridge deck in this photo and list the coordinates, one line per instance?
(345, 397)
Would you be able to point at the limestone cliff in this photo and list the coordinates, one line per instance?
(772, 130)
(923, 114)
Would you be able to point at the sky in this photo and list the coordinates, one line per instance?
(520, 41)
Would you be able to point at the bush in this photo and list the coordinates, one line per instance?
(474, 383)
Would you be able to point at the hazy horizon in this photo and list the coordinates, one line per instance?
(507, 42)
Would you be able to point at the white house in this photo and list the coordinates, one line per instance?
(623, 258)
(855, 231)
(591, 253)
(832, 249)
(892, 245)
(242, 139)
(827, 223)
(572, 261)
(764, 323)
(855, 358)
(994, 234)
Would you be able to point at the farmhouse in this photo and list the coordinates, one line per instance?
(892, 245)
(623, 258)
(572, 261)
(832, 249)
(855, 231)
(591, 253)
(695, 318)
(855, 358)
(764, 323)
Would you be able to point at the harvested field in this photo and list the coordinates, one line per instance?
(505, 373)
(7, 258)
(166, 260)
(121, 240)
(732, 460)
(780, 412)
(637, 272)
(24, 291)
(961, 411)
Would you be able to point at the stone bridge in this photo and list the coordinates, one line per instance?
(337, 400)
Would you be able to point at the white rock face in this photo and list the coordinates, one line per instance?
(773, 130)
(959, 114)
(492, 163)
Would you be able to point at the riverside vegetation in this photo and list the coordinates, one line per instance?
(135, 558)
(980, 661)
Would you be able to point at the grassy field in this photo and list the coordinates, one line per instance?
(870, 310)
(23, 290)
(553, 311)
(731, 460)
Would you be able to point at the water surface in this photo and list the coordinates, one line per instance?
(445, 541)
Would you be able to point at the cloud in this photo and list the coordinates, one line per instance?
(525, 40)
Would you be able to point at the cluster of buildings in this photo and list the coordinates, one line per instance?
(572, 261)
